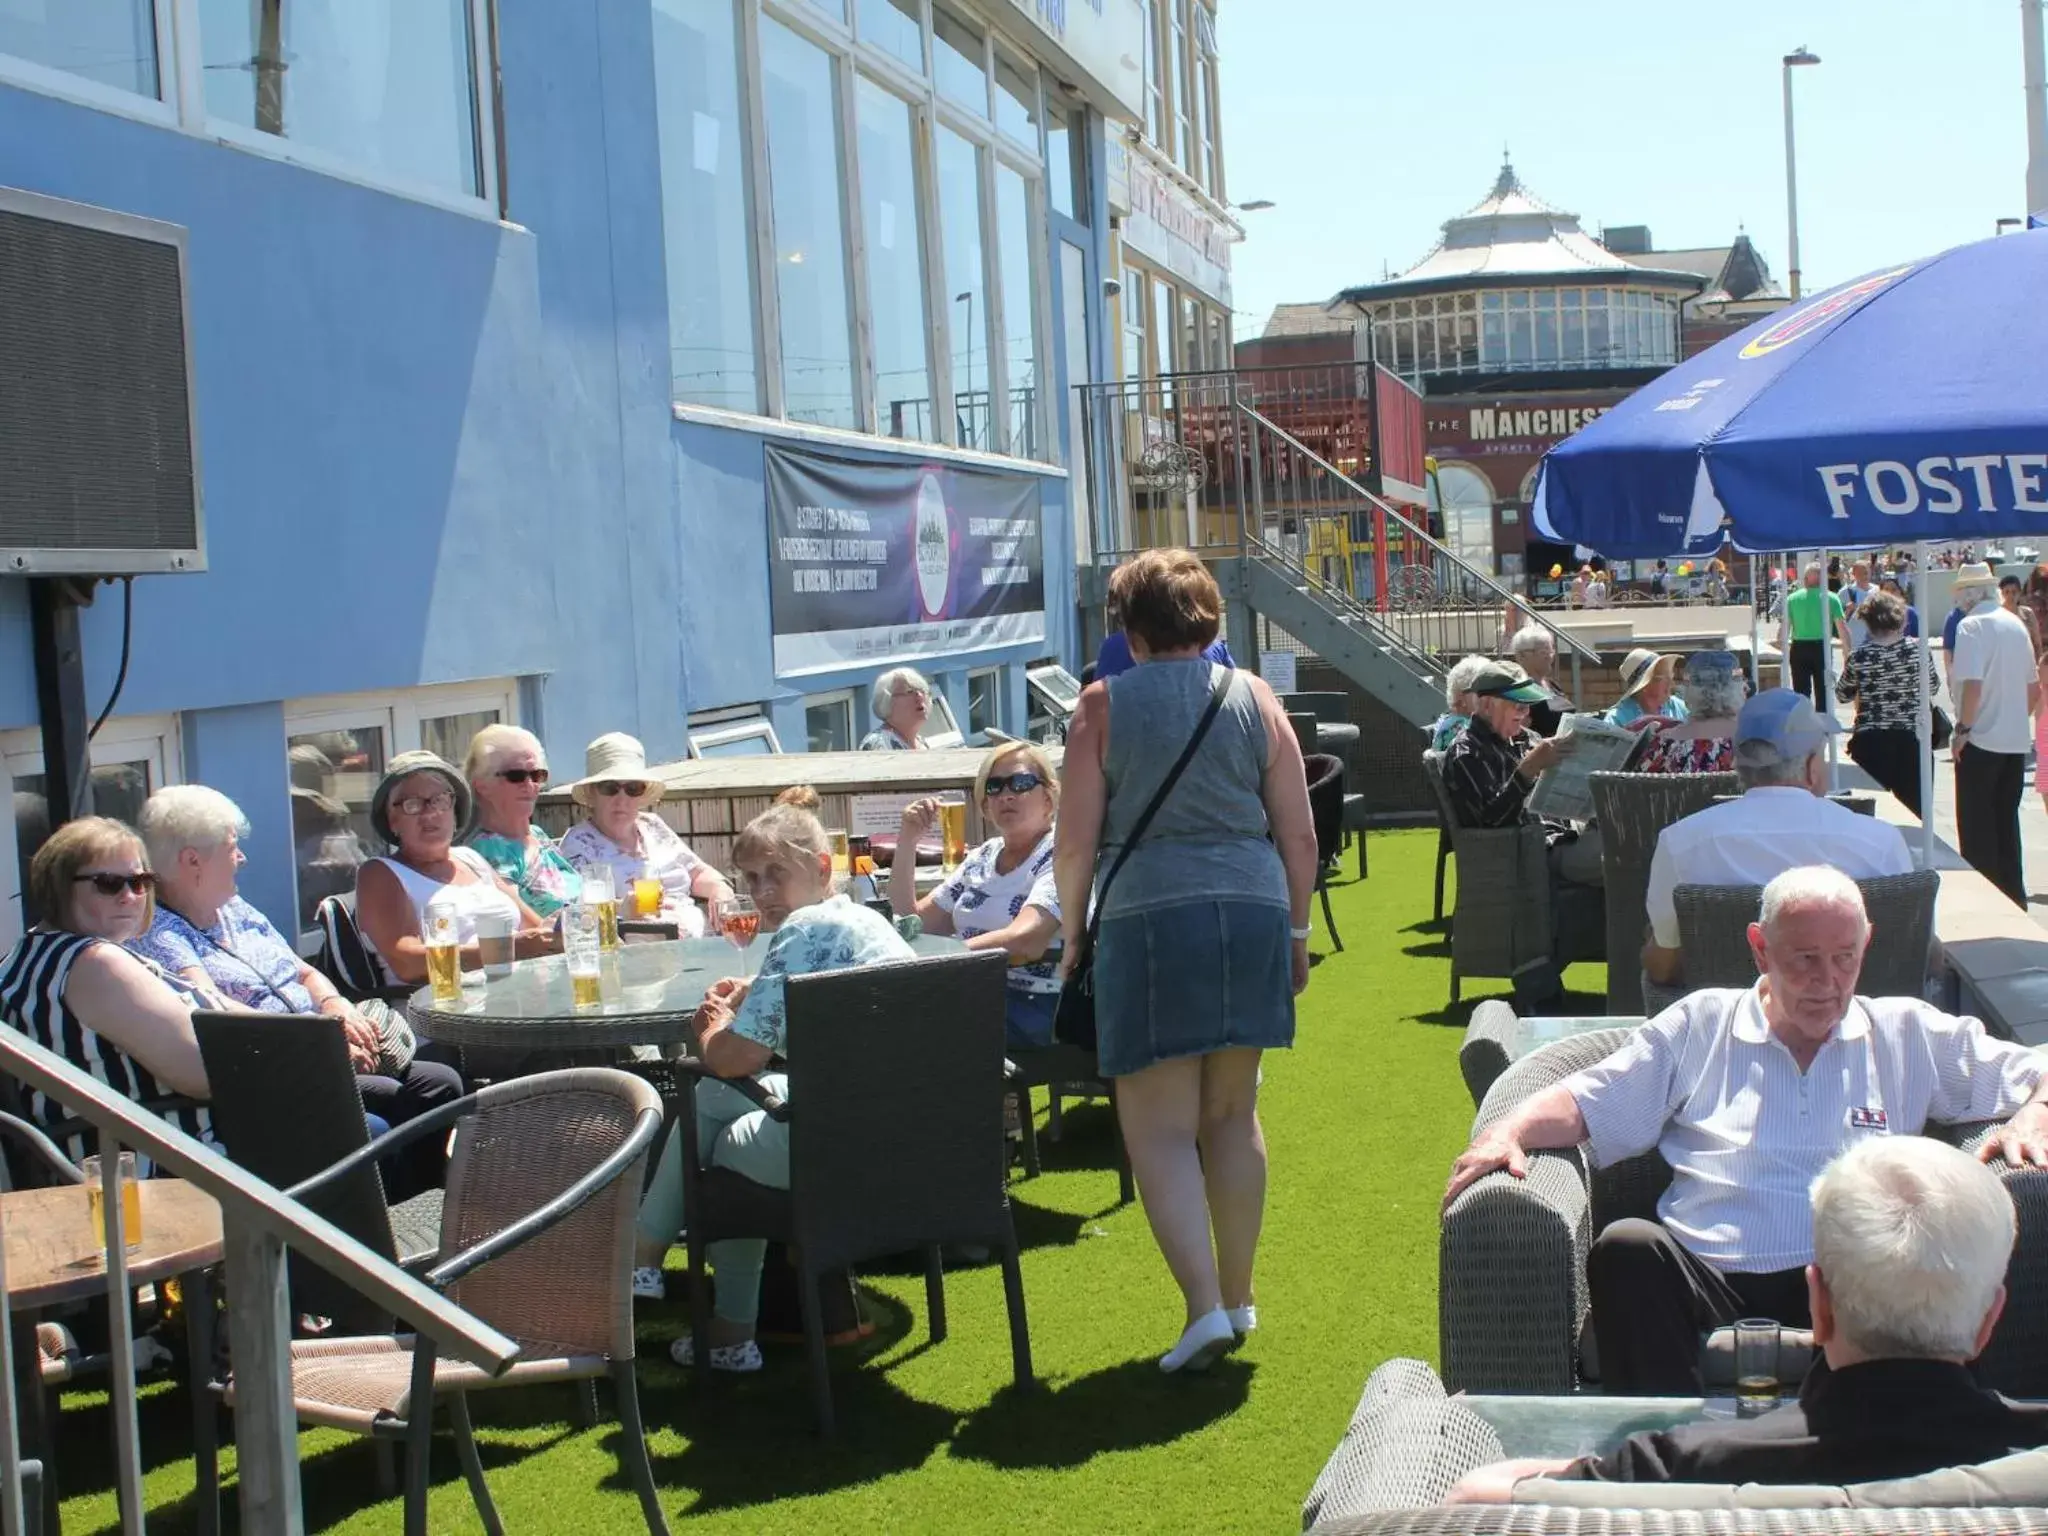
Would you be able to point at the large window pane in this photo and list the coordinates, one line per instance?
(1155, 106)
(110, 41)
(333, 774)
(1017, 103)
(704, 205)
(1020, 333)
(894, 27)
(1060, 140)
(448, 736)
(891, 220)
(1183, 150)
(387, 83)
(966, 294)
(1193, 357)
(957, 61)
(800, 94)
(1162, 324)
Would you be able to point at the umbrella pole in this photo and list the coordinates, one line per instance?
(1827, 682)
(1756, 632)
(1925, 715)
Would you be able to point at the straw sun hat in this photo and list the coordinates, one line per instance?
(616, 756)
(1638, 667)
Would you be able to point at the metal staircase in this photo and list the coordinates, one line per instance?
(1262, 472)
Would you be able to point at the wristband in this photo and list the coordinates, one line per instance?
(1301, 934)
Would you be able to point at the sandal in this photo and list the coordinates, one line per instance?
(739, 1359)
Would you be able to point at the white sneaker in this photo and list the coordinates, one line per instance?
(649, 1285)
(1243, 1320)
(737, 1358)
(1204, 1341)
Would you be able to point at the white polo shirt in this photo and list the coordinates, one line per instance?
(1992, 649)
(1754, 840)
(1746, 1132)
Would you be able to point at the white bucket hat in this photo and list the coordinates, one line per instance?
(612, 757)
(1976, 574)
(1639, 666)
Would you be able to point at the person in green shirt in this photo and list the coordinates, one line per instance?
(1811, 612)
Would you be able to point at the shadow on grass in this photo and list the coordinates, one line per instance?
(1434, 949)
(1125, 1407)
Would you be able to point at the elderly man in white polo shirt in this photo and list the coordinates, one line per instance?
(1783, 819)
(1748, 1095)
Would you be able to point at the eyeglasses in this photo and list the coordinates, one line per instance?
(909, 693)
(523, 775)
(108, 884)
(1011, 784)
(416, 805)
(608, 787)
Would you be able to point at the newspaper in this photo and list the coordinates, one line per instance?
(1564, 792)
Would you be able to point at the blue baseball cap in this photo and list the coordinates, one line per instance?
(1785, 720)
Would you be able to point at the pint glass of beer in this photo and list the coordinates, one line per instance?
(581, 946)
(953, 831)
(601, 895)
(441, 932)
(130, 1200)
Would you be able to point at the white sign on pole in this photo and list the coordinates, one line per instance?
(1277, 668)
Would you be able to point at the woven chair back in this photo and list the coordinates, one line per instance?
(1713, 933)
(896, 1086)
(568, 1291)
(1632, 808)
(1326, 801)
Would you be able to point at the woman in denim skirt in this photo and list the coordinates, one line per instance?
(1203, 935)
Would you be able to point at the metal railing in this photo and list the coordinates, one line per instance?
(258, 1223)
(1273, 464)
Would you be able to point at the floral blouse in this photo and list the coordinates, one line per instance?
(546, 881)
(886, 740)
(834, 935)
(663, 856)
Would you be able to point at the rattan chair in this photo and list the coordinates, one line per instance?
(895, 1142)
(1512, 1301)
(1502, 919)
(1057, 1067)
(285, 1105)
(1713, 933)
(1632, 808)
(543, 1189)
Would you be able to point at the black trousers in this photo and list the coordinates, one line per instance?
(426, 1085)
(1809, 670)
(1654, 1303)
(1892, 757)
(1988, 790)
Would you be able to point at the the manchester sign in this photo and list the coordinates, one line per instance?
(1491, 423)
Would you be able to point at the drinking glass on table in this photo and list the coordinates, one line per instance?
(738, 919)
(441, 933)
(128, 1197)
(582, 945)
(601, 895)
(1756, 1365)
(646, 897)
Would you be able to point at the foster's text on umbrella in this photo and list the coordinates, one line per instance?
(1995, 482)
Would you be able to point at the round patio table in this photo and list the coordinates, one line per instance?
(649, 993)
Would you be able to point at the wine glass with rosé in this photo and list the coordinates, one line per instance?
(739, 920)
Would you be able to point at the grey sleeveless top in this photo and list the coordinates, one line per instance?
(1209, 841)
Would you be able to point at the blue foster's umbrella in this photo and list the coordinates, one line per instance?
(1909, 404)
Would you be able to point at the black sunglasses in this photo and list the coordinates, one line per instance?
(1015, 784)
(634, 787)
(113, 885)
(523, 775)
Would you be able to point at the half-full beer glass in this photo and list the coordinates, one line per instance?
(441, 932)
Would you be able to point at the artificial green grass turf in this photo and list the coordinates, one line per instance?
(1362, 1118)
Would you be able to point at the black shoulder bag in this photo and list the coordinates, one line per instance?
(1074, 1020)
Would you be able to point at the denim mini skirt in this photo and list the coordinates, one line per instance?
(1195, 977)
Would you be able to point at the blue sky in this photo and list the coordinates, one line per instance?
(1370, 122)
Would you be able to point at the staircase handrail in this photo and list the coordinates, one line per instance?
(1566, 644)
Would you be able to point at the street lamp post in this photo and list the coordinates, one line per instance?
(1793, 61)
(2037, 105)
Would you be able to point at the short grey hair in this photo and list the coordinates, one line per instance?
(492, 742)
(1760, 765)
(1460, 679)
(1809, 887)
(181, 816)
(885, 685)
(1531, 638)
(1912, 1238)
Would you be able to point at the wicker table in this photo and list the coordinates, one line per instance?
(650, 992)
(54, 1256)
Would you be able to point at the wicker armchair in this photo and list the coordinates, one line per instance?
(1512, 1301)
(1632, 808)
(1484, 1055)
(543, 1188)
(1502, 919)
(1713, 933)
(895, 1142)
(1408, 1444)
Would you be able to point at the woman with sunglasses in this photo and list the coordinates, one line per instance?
(507, 769)
(1002, 896)
(421, 808)
(71, 987)
(621, 830)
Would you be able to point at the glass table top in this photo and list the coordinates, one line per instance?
(1533, 1034)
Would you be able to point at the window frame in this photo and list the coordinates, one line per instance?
(841, 698)
(993, 676)
(180, 105)
(713, 736)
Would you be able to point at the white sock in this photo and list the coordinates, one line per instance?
(1203, 1340)
(1244, 1319)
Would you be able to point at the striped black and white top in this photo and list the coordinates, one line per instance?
(32, 981)
(1708, 1085)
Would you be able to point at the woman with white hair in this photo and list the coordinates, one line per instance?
(206, 933)
(1534, 649)
(1459, 703)
(507, 769)
(621, 831)
(902, 701)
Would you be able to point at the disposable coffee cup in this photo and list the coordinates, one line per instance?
(494, 931)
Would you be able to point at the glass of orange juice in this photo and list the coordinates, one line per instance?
(646, 897)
